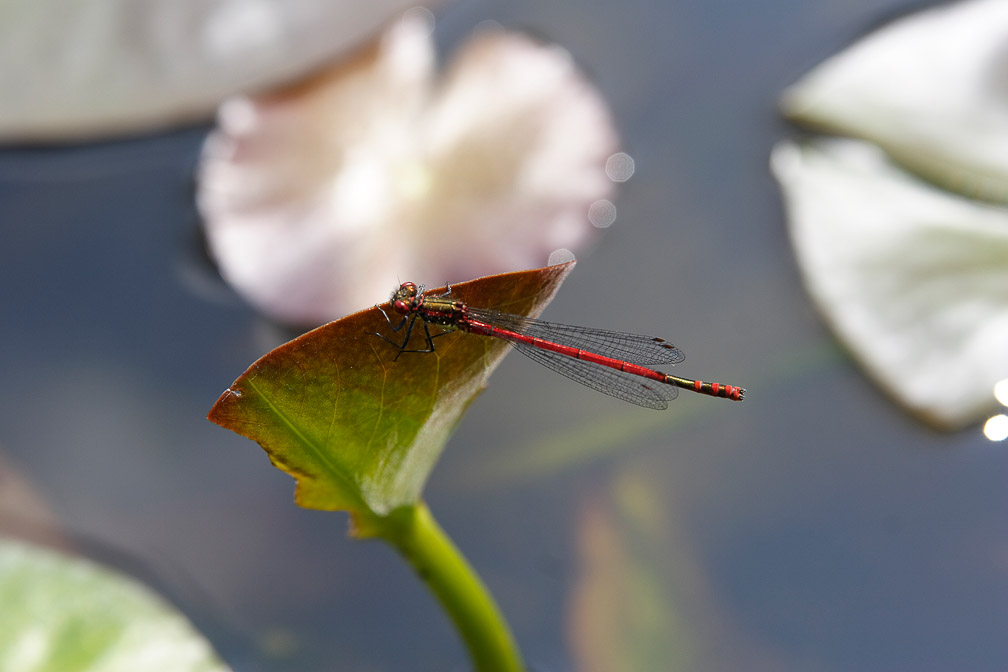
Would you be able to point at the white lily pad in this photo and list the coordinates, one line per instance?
(68, 614)
(931, 89)
(75, 70)
(914, 280)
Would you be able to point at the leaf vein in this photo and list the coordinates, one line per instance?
(320, 455)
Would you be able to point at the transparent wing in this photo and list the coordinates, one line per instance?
(615, 383)
(633, 348)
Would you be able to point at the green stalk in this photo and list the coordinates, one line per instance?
(436, 560)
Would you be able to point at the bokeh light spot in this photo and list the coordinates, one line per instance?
(619, 167)
(1001, 392)
(422, 15)
(602, 213)
(996, 427)
(560, 256)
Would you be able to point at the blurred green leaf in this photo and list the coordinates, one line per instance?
(62, 614)
(357, 430)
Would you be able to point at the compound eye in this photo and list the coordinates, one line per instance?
(400, 306)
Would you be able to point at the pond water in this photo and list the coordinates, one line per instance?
(814, 526)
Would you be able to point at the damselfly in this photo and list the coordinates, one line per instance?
(607, 361)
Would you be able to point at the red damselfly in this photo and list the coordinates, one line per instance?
(607, 361)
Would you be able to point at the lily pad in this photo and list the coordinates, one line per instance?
(64, 614)
(83, 70)
(929, 89)
(914, 280)
(357, 427)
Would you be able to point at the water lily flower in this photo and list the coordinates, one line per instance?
(912, 278)
(319, 198)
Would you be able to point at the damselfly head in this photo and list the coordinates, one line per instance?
(404, 299)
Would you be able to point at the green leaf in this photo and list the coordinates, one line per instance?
(357, 430)
(63, 614)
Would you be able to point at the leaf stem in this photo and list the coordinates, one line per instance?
(436, 560)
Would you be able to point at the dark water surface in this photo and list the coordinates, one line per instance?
(813, 527)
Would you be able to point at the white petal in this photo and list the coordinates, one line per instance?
(297, 196)
(912, 279)
(930, 89)
(80, 69)
(319, 199)
(518, 141)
